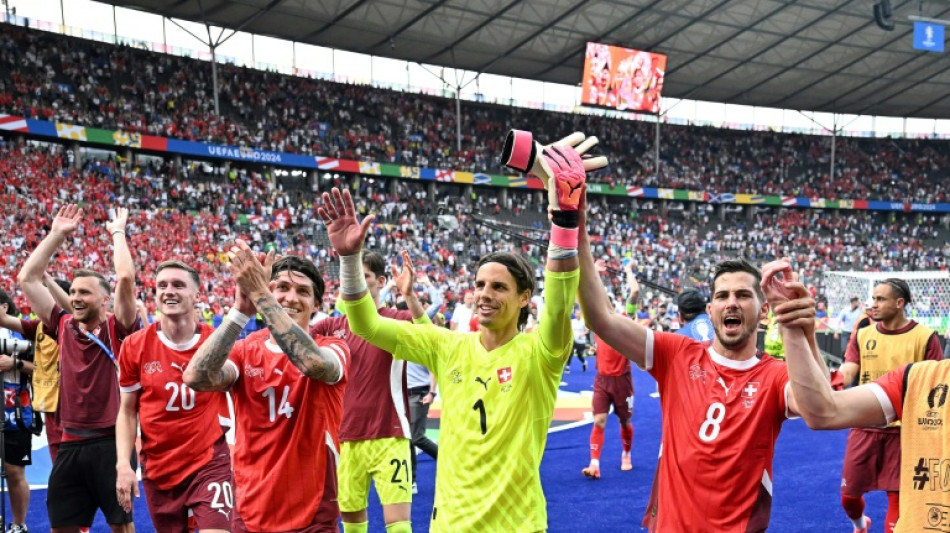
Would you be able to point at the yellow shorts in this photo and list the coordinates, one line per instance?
(385, 461)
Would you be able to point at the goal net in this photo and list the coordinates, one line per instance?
(930, 292)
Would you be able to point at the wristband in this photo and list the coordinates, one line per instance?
(558, 252)
(238, 317)
(352, 280)
(118, 231)
(565, 219)
(563, 237)
(520, 151)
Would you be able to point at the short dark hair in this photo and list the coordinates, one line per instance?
(521, 270)
(376, 263)
(739, 265)
(11, 305)
(63, 284)
(901, 288)
(181, 266)
(306, 267)
(84, 273)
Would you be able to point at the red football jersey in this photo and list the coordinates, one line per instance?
(721, 419)
(287, 436)
(376, 403)
(609, 361)
(893, 385)
(179, 426)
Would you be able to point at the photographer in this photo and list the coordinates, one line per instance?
(17, 367)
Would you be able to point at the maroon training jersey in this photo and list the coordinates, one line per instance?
(376, 403)
(721, 419)
(89, 383)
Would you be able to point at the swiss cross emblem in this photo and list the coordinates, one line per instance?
(748, 394)
(504, 374)
(749, 390)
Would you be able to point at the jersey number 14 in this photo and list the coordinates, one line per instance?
(284, 408)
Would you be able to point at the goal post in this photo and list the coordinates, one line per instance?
(930, 293)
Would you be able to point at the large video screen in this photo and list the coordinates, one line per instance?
(622, 78)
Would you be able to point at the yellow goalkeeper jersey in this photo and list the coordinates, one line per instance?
(496, 410)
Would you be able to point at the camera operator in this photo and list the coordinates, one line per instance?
(17, 367)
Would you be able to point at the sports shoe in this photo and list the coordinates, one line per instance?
(592, 472)
(17, 528)
(626, 463)
(584, 366)
(415, 488)
(867, 526)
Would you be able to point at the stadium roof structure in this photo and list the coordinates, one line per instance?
(815, 55)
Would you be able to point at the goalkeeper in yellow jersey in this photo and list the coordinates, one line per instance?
(498, 384)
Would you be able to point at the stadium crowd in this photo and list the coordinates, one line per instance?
(64, 79)
(183, 212)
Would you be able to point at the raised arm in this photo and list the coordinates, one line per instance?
(206, 371)
(811, 394)
(633, 299)
(624, 335)
(253, 277)
(404, 280)
(30, 279)
(57, 292)
(124, 298)
(346, 235)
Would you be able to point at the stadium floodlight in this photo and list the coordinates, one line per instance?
(882, 15)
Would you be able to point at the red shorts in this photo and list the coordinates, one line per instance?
(203, 501)
(872, 461)
(616, 391)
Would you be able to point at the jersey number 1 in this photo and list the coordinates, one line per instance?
(480, 407)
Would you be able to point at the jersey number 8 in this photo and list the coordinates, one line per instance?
(714, 417)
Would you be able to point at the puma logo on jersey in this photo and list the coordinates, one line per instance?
(483, 382)
(179, 367)
(722, 382)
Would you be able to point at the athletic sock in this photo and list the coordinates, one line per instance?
(596, 442)
(854, 508)
(893, 511)
(626, 437)
(355, 527)
(399, 527)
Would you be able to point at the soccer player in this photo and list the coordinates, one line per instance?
(375, 433)
(498, 384)
(914, 394)
(186, 464)
(613, 385)
(83, 476)
(287, 389)
(723, 403)
(872, 455)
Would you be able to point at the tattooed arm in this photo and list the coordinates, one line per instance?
(206, 371)
(313, 361)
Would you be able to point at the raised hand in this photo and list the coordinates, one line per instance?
(777, 282)
(521, 152)
(405, 278)
(252, 276)
(118, 223)
(346, 234)
(67, 219)
(568, 177)
(791, 303)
